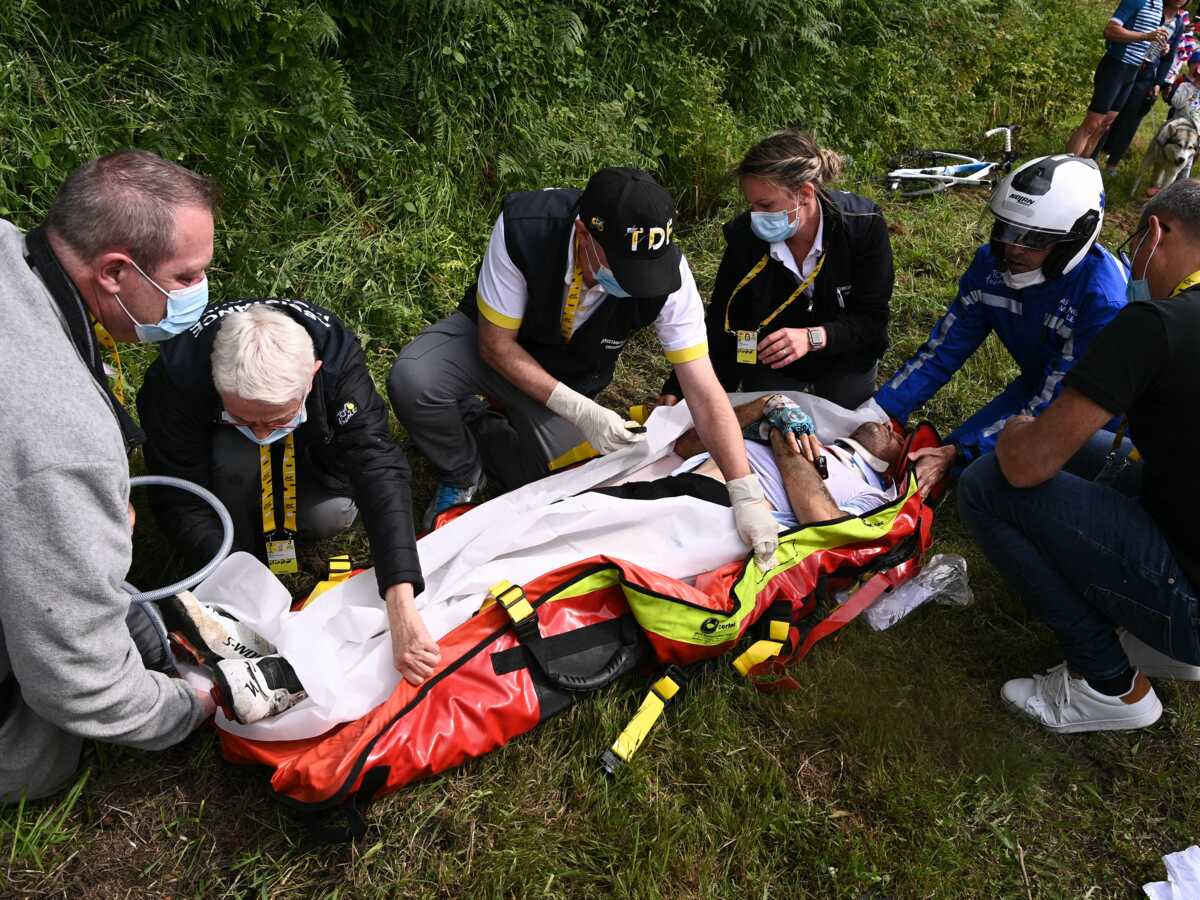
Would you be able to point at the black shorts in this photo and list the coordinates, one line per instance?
(1111, 84)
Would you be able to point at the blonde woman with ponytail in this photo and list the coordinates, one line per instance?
(801, 298)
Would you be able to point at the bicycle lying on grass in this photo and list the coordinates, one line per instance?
(916, 173)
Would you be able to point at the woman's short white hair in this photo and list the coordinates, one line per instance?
(263, 355)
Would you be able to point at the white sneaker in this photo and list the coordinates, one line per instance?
(1066, 704)
(252, 689)
(1155, 664)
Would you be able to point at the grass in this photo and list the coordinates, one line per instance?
(893, 772)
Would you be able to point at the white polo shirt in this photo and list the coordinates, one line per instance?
(781, 252)
(503, 295)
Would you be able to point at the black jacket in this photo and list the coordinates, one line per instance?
(345, 438)
(850, 296)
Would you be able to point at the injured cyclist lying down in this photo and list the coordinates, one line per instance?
(337, 647)
(804, 482)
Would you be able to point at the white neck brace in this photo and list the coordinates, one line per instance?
(868, 457)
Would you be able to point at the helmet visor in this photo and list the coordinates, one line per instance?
(1024, 236)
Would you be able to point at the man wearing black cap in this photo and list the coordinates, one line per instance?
(567, 278)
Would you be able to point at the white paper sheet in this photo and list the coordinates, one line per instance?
(339, 645)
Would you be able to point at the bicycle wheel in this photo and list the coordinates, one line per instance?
(906, 186)
(932, 171)
(920, 159)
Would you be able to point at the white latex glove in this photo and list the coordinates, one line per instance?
(755, 524)
(604, 429)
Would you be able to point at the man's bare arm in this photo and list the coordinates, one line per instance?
(1031, 451)
(690, 444)
(498, 348)
(806, 491)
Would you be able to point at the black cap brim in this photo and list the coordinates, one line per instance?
(648, 277)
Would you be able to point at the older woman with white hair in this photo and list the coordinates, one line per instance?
(269, 404)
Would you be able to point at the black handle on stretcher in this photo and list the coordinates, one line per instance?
(567, 659)
(622, 661)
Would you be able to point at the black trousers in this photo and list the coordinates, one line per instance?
(1125, 126)
(324, 507)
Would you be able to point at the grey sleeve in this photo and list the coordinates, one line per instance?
(64, 550)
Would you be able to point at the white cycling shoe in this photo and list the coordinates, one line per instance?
(1066, 704)
(252, 689)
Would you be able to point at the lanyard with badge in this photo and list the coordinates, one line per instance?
(281, 543)
(1115, 462)
(117, 374)
(747, 341)
(571, 307)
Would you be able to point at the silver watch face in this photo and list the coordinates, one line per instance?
(815, 338)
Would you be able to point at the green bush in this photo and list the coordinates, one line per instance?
(364, 146)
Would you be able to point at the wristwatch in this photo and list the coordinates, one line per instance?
(816, 338)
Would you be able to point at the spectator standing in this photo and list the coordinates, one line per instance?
(1133, 34)
(1153, 80)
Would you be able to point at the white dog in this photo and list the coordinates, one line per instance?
(1169, 154)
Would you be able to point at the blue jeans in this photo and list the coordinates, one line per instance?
(1084, 558)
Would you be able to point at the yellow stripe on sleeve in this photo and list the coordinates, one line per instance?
(687, 354)
(496, 317)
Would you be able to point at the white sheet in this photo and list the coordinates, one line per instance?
(339, 645)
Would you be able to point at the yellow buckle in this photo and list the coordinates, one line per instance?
(513, 599)
(760, 651)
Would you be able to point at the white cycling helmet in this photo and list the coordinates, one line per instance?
(1055, 203)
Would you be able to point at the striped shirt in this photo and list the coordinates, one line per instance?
(1187, 46)
(1135, 15)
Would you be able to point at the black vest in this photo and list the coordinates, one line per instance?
(537, 227)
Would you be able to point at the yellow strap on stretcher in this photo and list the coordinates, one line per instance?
(340, 569)
(512, 598)
(662, 692)
(760, 651)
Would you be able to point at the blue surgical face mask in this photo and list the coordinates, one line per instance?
(606, 279)
(281, 432)
(773, 227)
(184, 308)
(604, 276)
(1139, 288)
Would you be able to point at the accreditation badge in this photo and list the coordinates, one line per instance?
(747, 347)
(281, 557)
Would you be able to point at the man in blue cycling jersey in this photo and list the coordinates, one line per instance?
(1041, 283)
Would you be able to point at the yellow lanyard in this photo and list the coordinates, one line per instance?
(1190, 282)
(571, 307)
(753, 273)
(268, 489)
(107, 342)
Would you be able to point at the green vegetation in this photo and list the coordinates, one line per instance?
(364, 148)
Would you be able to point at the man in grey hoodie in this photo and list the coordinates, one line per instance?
(123, 253)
